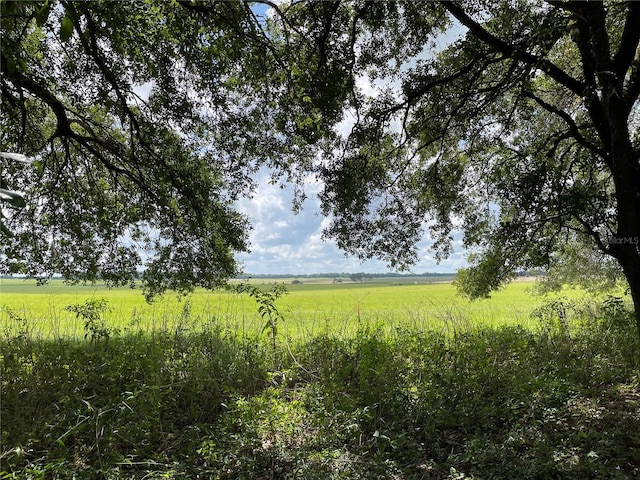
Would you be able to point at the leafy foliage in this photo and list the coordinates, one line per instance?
(580, 264)
(143, 137)
(92, 312)
(522, 131)
(267, 308)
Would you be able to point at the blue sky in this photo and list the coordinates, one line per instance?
(283, 242)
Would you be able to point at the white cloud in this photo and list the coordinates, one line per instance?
(288, 243)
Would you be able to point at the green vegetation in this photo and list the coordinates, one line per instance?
(195, 397)
(309, 308)
(510, 121)
(147, 121)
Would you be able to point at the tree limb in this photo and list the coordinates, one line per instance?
(632, 90)
(555, 72)
(629, 41)
(573, 127)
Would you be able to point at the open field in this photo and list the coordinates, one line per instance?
(311, 307)
(364, 381)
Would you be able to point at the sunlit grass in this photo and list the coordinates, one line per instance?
(308, 309)
(363, 381)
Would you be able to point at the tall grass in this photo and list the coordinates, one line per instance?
(193, 398)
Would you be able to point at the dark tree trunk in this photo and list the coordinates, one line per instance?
(630, 263)
(633, 277)
(626, 177)
(612, 89)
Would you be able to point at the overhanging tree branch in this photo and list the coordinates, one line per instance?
(629, 41)
(64, 130)
(571, 124)
(555, 72)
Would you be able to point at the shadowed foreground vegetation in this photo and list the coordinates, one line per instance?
(203, 402)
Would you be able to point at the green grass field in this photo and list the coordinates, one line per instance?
(308, 308)
(363, 381)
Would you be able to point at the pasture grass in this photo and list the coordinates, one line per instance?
(308, 308)
(193, 397)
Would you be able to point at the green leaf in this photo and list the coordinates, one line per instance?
(14, 199)
(66, 29)
(11, 65)
(43, 14)
(23, 65)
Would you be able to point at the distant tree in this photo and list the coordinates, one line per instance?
(357, 277)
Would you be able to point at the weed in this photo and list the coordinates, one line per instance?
(194, 400)
(92, 312)
(267, 309)
(20, 325)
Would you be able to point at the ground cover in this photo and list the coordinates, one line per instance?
(383, 393)
(500, 402)
(308, 308)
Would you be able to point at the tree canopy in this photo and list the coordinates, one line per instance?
(522, 132)
(146, 120)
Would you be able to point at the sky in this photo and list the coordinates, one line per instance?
(288, 243)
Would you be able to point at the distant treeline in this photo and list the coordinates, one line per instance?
(343, 275)
(366, 275)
